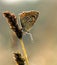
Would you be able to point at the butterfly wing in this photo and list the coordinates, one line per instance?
(28, 19)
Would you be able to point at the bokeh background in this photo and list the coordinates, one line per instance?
(43, 49)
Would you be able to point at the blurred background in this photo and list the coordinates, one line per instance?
(43, 49)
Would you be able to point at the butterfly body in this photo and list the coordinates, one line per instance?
(27, 20)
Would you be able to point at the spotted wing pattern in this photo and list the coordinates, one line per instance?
(28, 19)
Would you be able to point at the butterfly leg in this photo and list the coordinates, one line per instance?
(30, 35)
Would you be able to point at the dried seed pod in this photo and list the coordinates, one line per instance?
(19, 59)
(12, 20)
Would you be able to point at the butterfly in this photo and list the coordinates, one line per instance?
(27, 20)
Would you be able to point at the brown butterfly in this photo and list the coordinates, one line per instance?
(28, 19)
